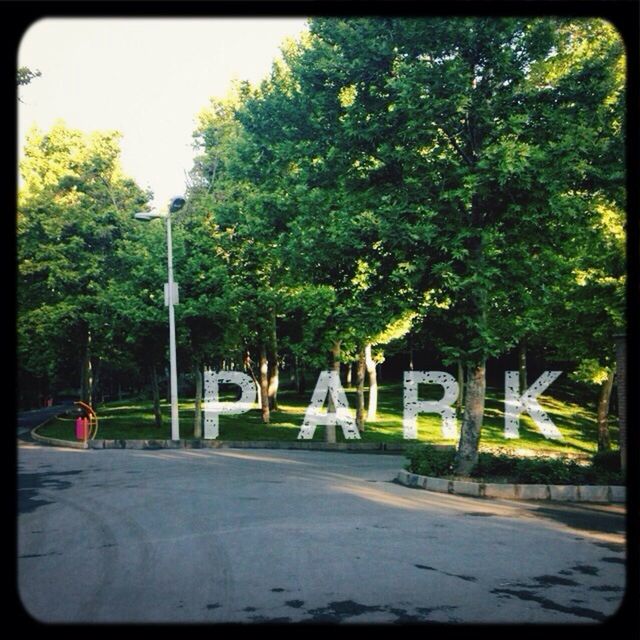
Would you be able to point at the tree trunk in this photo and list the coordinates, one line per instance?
(81, 388)
(467, 453)
(522, 366)
(604, 438)
(246, 359)
(361, 366)
(349, 377)
(372, 413)
(86, 373)
(274, 383)
(264, 383)
(155, 390)
(330, 430)
(96, 390)
(274, 380)
(621, 366)
(197, 417)
(460, 400)
(302, 381)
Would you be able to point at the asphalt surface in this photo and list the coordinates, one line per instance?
(222, 536)
(28, 420)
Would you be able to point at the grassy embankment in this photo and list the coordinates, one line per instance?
(134, 420)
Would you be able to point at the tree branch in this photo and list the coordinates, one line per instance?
(106, 184)
(457, 147)
(471, 134)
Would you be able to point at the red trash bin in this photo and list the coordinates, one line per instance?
(82, 428)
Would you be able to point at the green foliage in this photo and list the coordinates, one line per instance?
(460, 141)
(131, 418)
(541, 470)
(607, 461)
(74, 218)
(426, 460)
(531, 470)
(491, 467)
(458, 182)
(25, 75)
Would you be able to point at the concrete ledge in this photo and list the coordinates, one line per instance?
(134, 444)
(466, 488)
(114, 444)
(496, 490)
(618, 494)
(56, 442)
(78, 444)
(394, 447)
(438, 484)
(304, 445)
(533, 492)
(413, 479)
(587, 493)
(564, 493)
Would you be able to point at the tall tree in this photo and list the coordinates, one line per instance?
(73, 209)
(502, 137)
(337, 236)
(405, 166)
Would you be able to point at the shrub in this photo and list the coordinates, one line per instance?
(490, 464)
(549, 471)
(606, 461)
(426, 460)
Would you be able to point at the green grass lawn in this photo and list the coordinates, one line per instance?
(134, 420)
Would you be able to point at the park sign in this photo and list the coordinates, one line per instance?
(329, 385)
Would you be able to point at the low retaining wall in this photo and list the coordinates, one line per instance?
(56, 442)
(564, 493)
(364, 447)
(367, 447)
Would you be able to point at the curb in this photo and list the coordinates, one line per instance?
(55, 442)
(154, 444)
(565, 493)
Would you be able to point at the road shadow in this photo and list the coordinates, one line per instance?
(585, 518)
(29, 485)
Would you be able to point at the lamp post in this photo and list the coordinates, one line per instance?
(175, 204)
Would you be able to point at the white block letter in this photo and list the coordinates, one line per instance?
(413, 406)
(516, 404)
(213, 407)
(328, 383)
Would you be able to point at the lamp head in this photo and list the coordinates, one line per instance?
(176, 203)
(148, 215)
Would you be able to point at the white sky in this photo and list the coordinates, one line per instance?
(147, 78)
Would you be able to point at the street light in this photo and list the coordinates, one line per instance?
(175, 204)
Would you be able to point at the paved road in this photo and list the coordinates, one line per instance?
(288, 536)
(27, 420)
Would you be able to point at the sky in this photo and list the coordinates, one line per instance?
(147, 78)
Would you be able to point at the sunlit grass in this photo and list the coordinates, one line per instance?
(134, 420)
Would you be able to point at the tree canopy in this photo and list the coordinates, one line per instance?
(457, 182)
